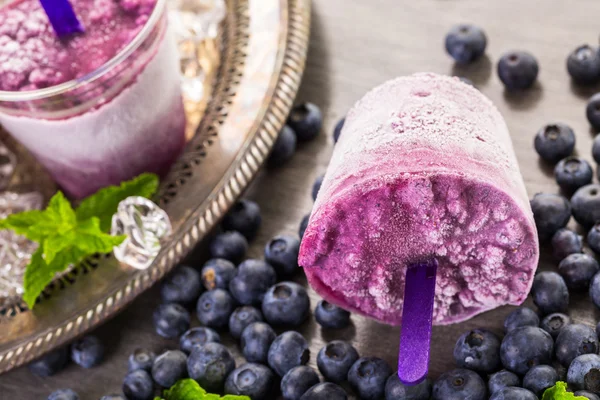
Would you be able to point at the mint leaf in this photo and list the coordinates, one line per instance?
(21, 222)
(90, 238)
(103, 204)
(185, 389)
(559, 392)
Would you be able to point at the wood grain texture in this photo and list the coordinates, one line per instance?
(356, 45)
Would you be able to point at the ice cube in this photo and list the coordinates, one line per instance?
(8, 161)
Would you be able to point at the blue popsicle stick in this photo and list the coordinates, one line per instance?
(62, 17)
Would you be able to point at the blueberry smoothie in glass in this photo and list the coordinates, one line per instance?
(98, 107)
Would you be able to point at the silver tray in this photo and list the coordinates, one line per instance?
(258, 59)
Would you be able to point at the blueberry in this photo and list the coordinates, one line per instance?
(283, 148)
(282, 253)
(550, 292)
(502, 379)
(337, 131)
(478, 350)
(554, 323)
(181, 286)
(63, 394)
(305, 120)
(138, 385)
(303, 226)
(217, 273)
(595, 290)
(244, 217)
(241, 318)
(87, 351)
(169, 367)
(325, 391)
(252, 280)
(513, 393)
(253, 380)
(368, 376)
(583, 64)
(171, 320)
(297, 381)
(331, 316)
(209, 365)
(566, 242)
(573, 341)
(553, 142)
(287, 351)
(551, 212)
(286, 303)
(584, 373)
(396, 390)
(522, 316)
(214, 308)
(50, 363)
(592, 111)
(231, 246)
(459, 384)
(573, 172)
(540, 378)
(255, 342)
(141, 359)
(596, 149)
(197, 337)
(113, 397)
(335, 360)
(598, 330)
(578, 270)
(518, 70)
(317, 186)
(526, 347)
(586, 205)
(593, 238)
(465, 43)
(587, 395)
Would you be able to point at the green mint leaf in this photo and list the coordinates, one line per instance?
(185, 389)
(103, 204)
(559, 392)
(90, 239)
(21, 222)
(234, 397)
(55, 244)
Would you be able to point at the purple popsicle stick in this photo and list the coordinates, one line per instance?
(62, 17)
(417, 314)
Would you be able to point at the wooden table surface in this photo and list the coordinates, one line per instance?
(354, 46)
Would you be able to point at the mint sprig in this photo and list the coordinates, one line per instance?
(559, 392)
(189, 389)
(66, 236)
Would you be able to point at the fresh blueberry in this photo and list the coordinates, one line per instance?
(586, 205)
(141, 359)
(598, 330)
(593, 238)
(287, 351)
(583, 64)
(63, 394)
(113, 397)
(465, 43)
(217, 273)
(325, 391)
(305, 120)
(317, 186)
(50, 363)
(522, 316)
(573, 341)
(303, 225)
(560, 369)
(241, 318)
(209, 365)
(554, 323)
(596, 149)
(526, 347)
(253, 380)
(551, 212)
(368, 376)
(335, 360)
(255, 342)
(331, 316)
(337, 131)
(573, 172)
(466, 80)
(502, 379)
(169, 367)
(286, 303)
(231, 246)
(459, 384)
(578, 270)
(214, 308)
(87, 351)
(297, 381)
(584, 373)
(553, 142)
(171, 320)
(540, 378)
(138, 385)
(283, 148)
(592, 111)
(518, 70)
(252, 280)
(198, 336)
(595, 290)
(587, 395)
(566, 242)
(513, 393)
(550, 292)
(478, 350)
(181, 286)
(282, 253)
(396, 390)
(244, 217)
